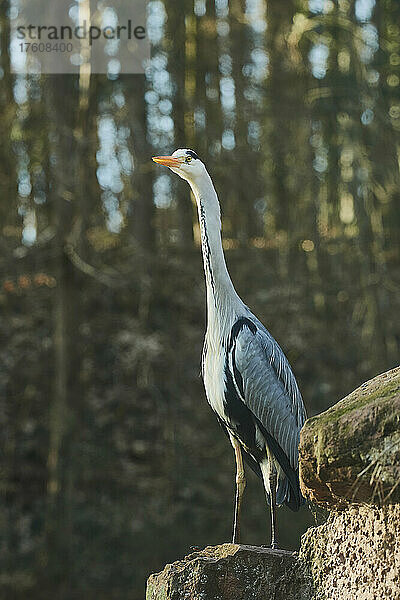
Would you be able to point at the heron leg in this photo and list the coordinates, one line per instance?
(272, 487)
(240, 487)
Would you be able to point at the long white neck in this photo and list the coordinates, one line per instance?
(221, 294)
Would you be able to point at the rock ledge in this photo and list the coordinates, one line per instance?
(231, 572)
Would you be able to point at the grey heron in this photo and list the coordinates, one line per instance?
(247, 378)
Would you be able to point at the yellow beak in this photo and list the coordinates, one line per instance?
(168, 161)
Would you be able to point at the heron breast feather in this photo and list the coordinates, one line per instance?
(213, 376)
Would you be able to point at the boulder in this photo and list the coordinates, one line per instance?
(351, 452)
(232, 572)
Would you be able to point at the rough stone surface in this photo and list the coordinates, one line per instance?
(355, 555)
(351, 452)
(232, 572)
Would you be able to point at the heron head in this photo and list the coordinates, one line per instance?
(183, 162)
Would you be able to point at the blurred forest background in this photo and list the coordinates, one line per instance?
(112, 462)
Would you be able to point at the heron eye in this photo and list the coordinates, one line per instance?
(188, 159)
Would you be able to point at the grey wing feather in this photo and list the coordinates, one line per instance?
(269, 388)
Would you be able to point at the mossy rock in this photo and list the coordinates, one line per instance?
(351, 452)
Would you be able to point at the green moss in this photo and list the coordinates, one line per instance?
(354, 401)
(332, 419)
